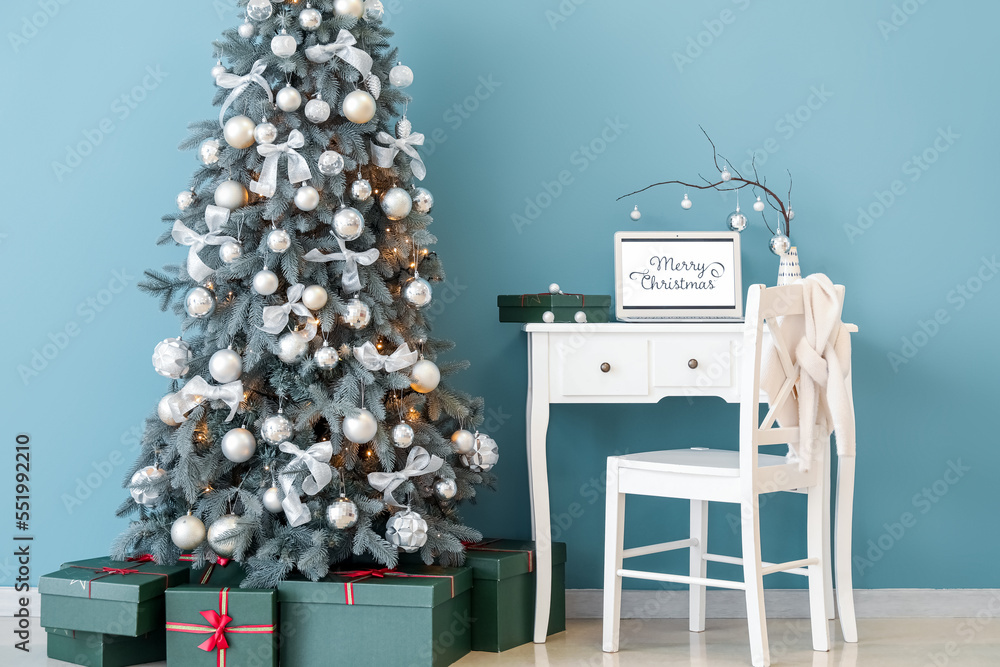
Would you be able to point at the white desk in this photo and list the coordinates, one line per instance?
(623, 363)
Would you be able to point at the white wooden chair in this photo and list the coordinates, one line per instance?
(704, 475)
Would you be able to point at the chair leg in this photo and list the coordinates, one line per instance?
(842, 547)
(831, 609)
(817, 573)
(754, 579)
(614, 538)
(699, 532)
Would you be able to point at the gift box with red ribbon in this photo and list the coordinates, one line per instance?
(222, 573)
(94, 649)
(223, 627)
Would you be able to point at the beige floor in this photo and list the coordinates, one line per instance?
(888, 643)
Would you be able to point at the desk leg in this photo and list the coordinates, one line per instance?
(538, 425)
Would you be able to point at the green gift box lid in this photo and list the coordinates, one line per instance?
(549, 301)
(206, 573)
(107, 579)
(410, 586)
(497, 559)
(94, 649)
(251, 633)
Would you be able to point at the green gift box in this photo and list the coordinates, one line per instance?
(101, 650)
(222, 627)
(107, 596)
(503, 593)
(218, 575)
(532, 307)
(424, 611)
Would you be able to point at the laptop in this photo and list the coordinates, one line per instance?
(678, 277)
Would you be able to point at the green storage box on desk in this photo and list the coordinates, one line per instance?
(416, 617)
(531, 308)
(94, 649)
(503, 593)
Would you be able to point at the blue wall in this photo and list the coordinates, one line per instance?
(883, 86)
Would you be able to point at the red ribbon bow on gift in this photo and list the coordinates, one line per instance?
(381, 574)
(145, 558)
(218, 638)
(108, 571)
(218, 627)
(206, 575)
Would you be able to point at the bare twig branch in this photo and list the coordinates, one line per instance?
(715, 152)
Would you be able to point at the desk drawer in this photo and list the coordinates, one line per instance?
(693, 360)
(600, 365)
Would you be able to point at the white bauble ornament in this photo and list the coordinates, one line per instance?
(359, 107)
(277, 429)
(317, 111)
(307, 198)
(445, 489)
(726, 176)
(463, 441)
(361, 190)
(407, 530)
(265, 282)
(199, 302)
(331, 163)
(548, 317)
(230, 251)
(360, 427)
(288, 99)
(265, 133)
(484, 454)
(238, 132)
(348, 223)
(231, 195)
(555, 289)
(401, 76)
(737, 221)
(315, 297)
(423, 200)
(172, 358)
(247, 30)
(326, 357)
(374, 9)
(396, 203)
(164, 413)
(218, 70)
(149, 475)
(425, 376)
(239, 445)
(259, 10)
(185, 200)
(355, 8)
(208, 151)
(187, 533)
(780, 244)
(272, 500)
(291, 347)
(418, 292)
(283, 45)
(225, 366)
(636, 214)
(758, 205)
(791, 215)
(580, 317)
(402, 435)
(224, 525)
(279, 241)
(342, 514)
(686, 203)
(310, 18)
(358, 314)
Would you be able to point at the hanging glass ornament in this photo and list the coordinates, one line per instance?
(187, 532)
(358, 315)
(218, 70)
(172, 358)
(359, 107)
(360, 427)
(791, 215)
(291, 347)
(307, 198)
(402, 435)
(164, 413)
(326, 357)
(185, 200)
(423, 200)
(279, 241)
(226, 524)
(231, 195)
(407, 530)
(315, 297)
(317, 111)
(265, 133)
(208, 151)
(737, 221)
(445, 489)
(635, 214)
(239, 132)
(686, 203)
(758, 205)
(288, 99)
(230, 251)
(418, 292)
(400, 76)
(331, 163)
(310, 19)
(348, 223)
(199, 302)
(361, 190)
(225, 366)
(355, 8)
(780, 244)
(265, 282)
(342, 513)
(271, 500)
(277, 429)
(726, 175)
(238, 445)
(148, 495)
(396, 204)
(484, 455)
(259, 10)
(246, 29)
(374, 10)
(462, 441)
(425, 376)
(404, 128)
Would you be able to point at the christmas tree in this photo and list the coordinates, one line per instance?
(307, 422)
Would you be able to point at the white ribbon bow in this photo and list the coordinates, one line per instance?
(276, 317)
(344, 49)
(197, 391)
(369, 357)
(418, 463)
(383, 156)
(316, 460)
(298, 168)
(240, 84)
(351, 280)
(215, 218)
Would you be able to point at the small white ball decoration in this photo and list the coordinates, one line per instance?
(239, 445)
(342, 514)
(208, 151)
(401, 76)
(425, 376)
(218, 70)
(355, 8)
(331, 163)
(310, 19)
(361, 190)
(423, 200)
(291, 347)
(360, 427)
(726, 175)
(185, 200)
(791, 215)
(402, 435)
(225, 524)
(463, 441)
(307, 198)
(580, 317)
(259, 10)
(358, 314)
(359, 107)
(780, 244)
(445, 489)
(283, 45)
(348, 223)
(407, 530)
(555, 289)
(396, 203)
(164, 413)
(199, 302)
(265, 133)
(187, 533)
(288, 99)
(374, 9)
(231, 195)
(172, 358)
(238, 132)
(277, 429)
(317, 111)
(272, 500)
(548, 317)
(636, 214)
(315, 297)
(149, 475)
(686, 203)
(230, 251)
(758, 205)
(484, 456)
(247, 29)
(418, 292)
(279, 241)
(265, 282)
(326, 357)
(737, 221)
(225, 366)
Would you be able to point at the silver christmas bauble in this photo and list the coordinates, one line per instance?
(548, 317)
(580, 317)
(348, 223)
(555, 289)
(283, 45)
(314, 297)
(758, 205)
(374, 9)
(147, 496)
(259, 10)
(484, 454)
(425, 376)
(278, 240)
(288, 99)
(265, 282)
(418, 292)
(225, 366)
(239, 445)
(172, 358)
(326, 358)
(163, 411)
(222, 526)
(402, 435)
(780, 244)
(396, 203)
(401, 76)
(361, 190)
(331, 163)
(230, 251)
(686, 203)
(445, 489)
(726, 175)
(247, 29)
(231, 195)
(307, 198)
(342, 514)
(218, 70)
(238, 132)
(407, 530)
(423, 200)
(791, 215)
(265, 133)
(277, 429)
(187, 532)
(185, 199)
(317, 111)
(636, 214)
(355, 8)
(737, 221)
(359, 107)
(199, 302)
(463, 441)
(208, 151)
(272, 500)
(310, 18)
(358, 314)
(291, 347)
(360, 427)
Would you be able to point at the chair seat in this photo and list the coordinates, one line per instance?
(696, 461)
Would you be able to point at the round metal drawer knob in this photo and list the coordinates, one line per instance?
(693, 364)
(605, 367)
